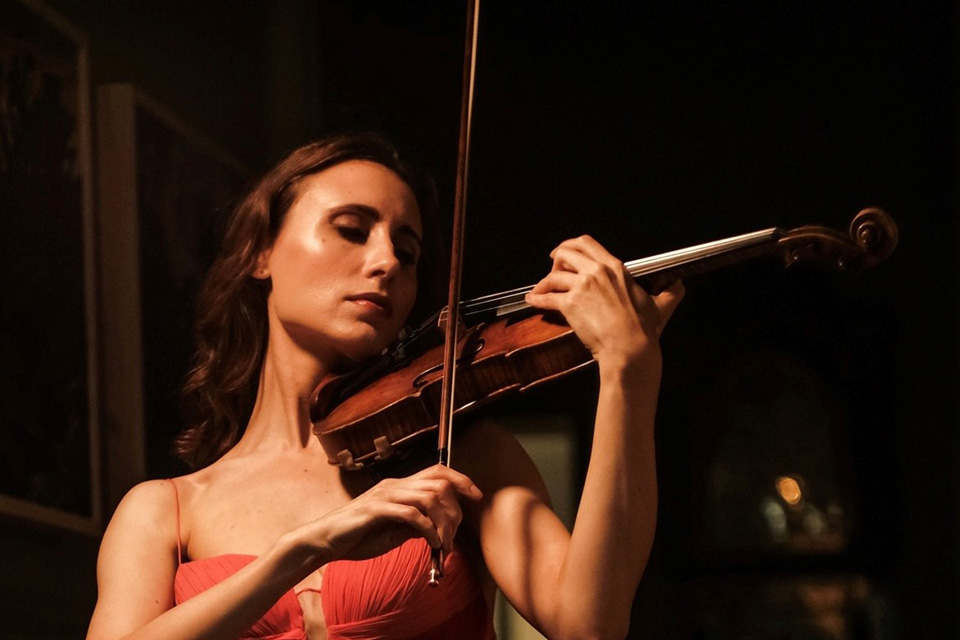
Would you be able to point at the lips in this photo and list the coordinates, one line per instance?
(373, 302)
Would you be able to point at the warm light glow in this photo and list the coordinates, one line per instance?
(789, 489)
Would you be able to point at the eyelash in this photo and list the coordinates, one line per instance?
(352, 234)
(357, 235)
(406, 258)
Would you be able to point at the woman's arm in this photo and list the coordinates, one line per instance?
(581, 585)
(136, 569)
(138, 556)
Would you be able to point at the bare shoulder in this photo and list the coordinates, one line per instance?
(147, 507)
(494, 459)
(520, 537)
(138, 560)
(148, 512)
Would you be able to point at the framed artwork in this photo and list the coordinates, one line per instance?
(49, 429)
(165, 190)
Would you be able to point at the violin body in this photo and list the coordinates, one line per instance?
(371, 415)
(509, 355)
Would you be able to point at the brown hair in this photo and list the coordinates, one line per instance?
(231, 326)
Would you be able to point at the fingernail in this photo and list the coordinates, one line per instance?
(475, 492)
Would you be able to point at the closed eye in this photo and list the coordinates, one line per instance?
(359, 235)
(352, 234)
(406, 257)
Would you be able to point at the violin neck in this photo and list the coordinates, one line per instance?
(654, 274)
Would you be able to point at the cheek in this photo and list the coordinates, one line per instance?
(307, 257)
(307, 272)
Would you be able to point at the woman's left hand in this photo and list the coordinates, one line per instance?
(613, 316)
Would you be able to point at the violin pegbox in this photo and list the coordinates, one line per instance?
(872, 237)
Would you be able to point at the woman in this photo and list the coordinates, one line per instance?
(318, 273)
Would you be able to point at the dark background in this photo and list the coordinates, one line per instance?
(650, 128)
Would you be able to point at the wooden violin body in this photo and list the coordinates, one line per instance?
(508, 355)
(373, 414)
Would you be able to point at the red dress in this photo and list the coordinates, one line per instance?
(383, 598)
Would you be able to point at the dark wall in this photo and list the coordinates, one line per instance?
(203, 60)
(206, 62)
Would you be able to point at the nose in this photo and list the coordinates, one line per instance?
(381, 259)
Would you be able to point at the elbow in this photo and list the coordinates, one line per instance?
(610, 633)
(598, 635)
(607, 629)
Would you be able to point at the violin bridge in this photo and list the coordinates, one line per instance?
(442, 321)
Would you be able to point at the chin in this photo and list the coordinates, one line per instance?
(342, 346)
(358, 349)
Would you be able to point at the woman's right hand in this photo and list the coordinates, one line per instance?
(391, 512)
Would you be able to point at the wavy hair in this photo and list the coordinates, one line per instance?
(231, 324)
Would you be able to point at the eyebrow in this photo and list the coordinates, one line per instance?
(375, 215)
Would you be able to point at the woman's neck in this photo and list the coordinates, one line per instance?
(281, 414)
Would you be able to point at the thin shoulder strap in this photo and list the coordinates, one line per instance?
(176, 499)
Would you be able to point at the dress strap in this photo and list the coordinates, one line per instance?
(176, 499)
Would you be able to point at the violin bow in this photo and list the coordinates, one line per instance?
(451, 325)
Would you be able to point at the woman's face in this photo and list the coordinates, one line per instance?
(344, 264)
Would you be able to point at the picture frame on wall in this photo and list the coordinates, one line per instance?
(49, 412)
(165, 191)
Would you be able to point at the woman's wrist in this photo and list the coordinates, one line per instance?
(298, 556)
(632, 372)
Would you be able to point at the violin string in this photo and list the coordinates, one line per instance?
(510, 301)
(514, 298)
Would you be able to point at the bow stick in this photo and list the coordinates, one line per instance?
(445, 426)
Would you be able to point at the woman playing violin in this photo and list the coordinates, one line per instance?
(320, 268)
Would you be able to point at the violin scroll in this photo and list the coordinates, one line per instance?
(872, 237)
(876, 232)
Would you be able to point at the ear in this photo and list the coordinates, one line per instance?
(262, 271)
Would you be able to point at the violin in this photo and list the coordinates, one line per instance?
(506, 347)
